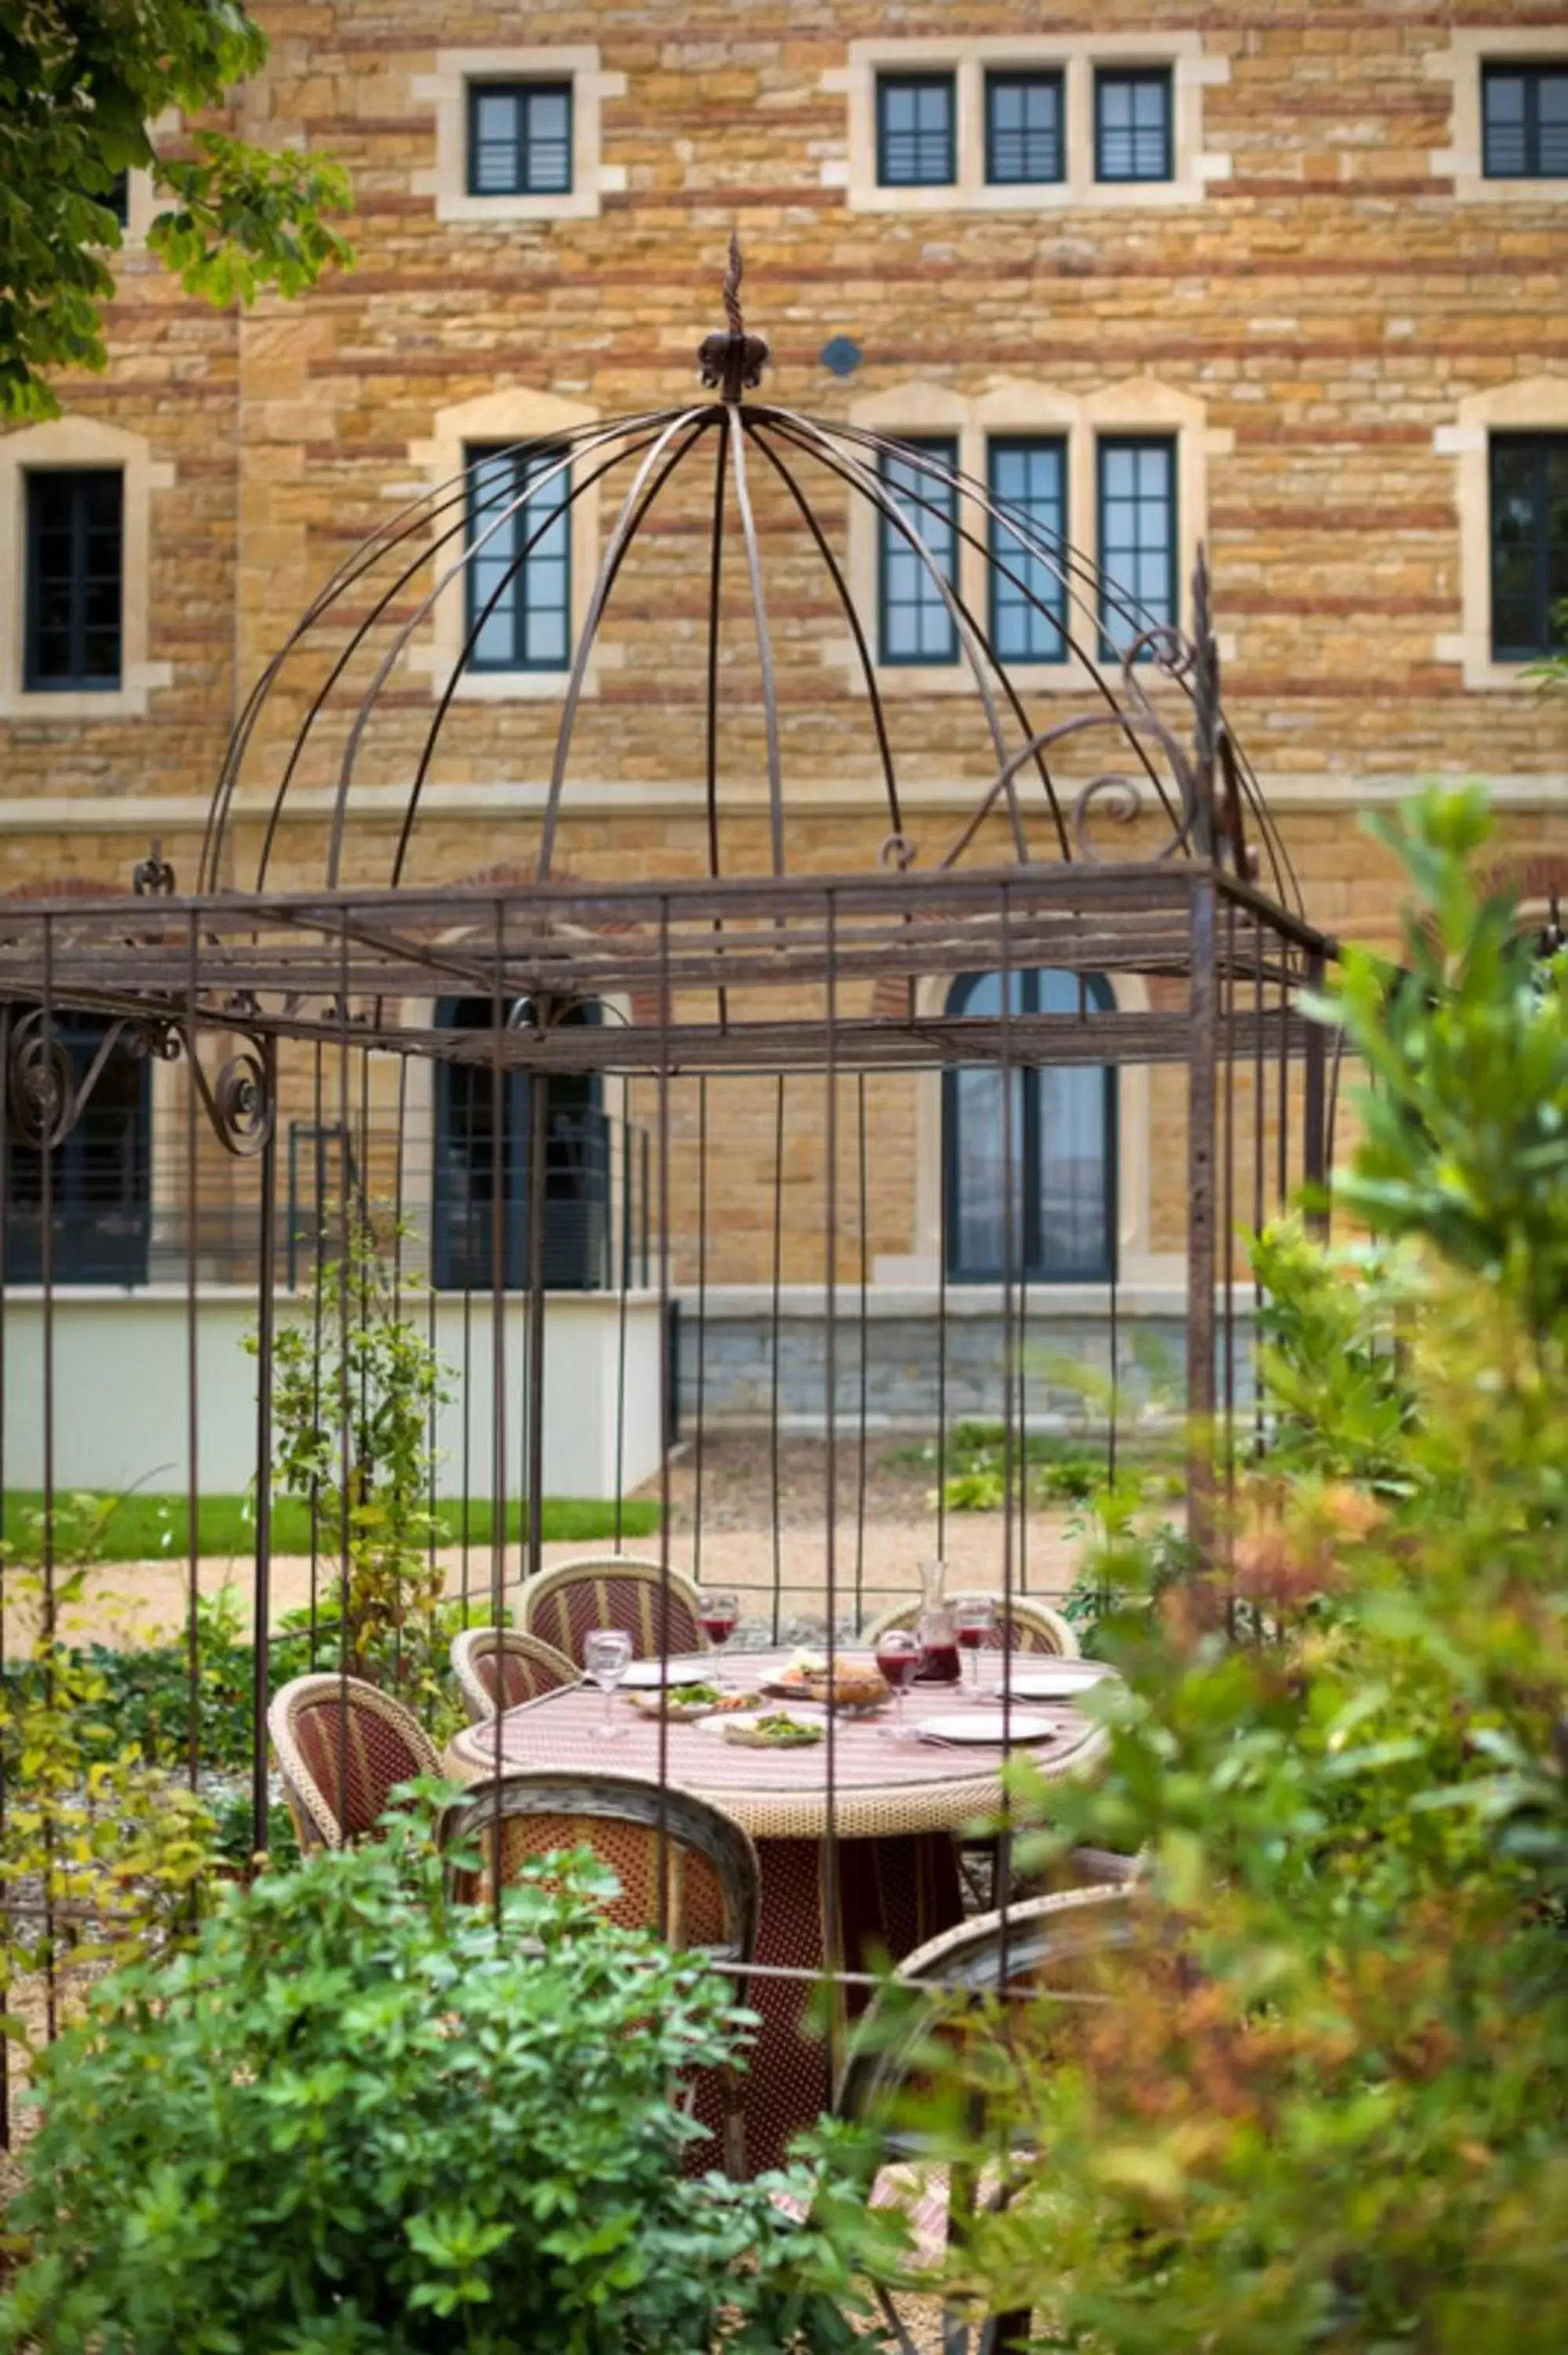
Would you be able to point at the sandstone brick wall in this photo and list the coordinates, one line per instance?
(1330, 304)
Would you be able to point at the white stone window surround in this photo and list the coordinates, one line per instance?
(71, 442)
(1461, 63)
(1075, 56)
(500, 418)
(1535, 404)
(1014, 408)
(447, 89)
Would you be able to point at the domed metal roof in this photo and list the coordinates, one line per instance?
(728, 687)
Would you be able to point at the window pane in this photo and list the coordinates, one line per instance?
(1062, 1178)
(1529, 544)
(1138, 537)
(1132, 125)
(520, 139)
(1024, 128)
(519, 580)
(915, 624)
(1029, 479)
(915, 130)
(74, 585)
(1551, 162)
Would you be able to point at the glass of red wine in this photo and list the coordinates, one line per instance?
(718, 1614)
(974, 1616)
(899, 1652)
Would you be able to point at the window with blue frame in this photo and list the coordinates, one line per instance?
(915, 130)
(482, 1162)
(519, 139)
(1024, 118)
(1136, 535)
(1028, 601)
(1060, 1224)
(519, 579)
(1132, 123)
(1524, 121)
(1529, 545)
(94, 1199)
(75, 580)
(915, 622)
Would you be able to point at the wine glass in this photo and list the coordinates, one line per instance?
(718, 1613)
(974, 1616)
(607, 1656)
(899, 1655)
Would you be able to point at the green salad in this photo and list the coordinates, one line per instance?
(778, 1732)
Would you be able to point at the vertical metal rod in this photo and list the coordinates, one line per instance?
(318, 1259)
(832, 1925)
(46, 1271)
(1009, 1248)
(498, 1158)
(1282, 1180)
(1202, 1255)
(620, 1320)
(663, 1844)
(700, 1440)
(266, 1319)
(1258, 1181)
(864, 1356)
(1228, 988)
(193, 1374)
(945, 1217)
(5, 1518)
(1315, 1152)
(348, 1283)
(773, 1405)
(538, 1182)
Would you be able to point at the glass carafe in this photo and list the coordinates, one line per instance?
(937, 1628)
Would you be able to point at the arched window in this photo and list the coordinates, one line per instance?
(1063, 1146)
(99, 1179)
(468, 1146)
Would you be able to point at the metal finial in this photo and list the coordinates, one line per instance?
(731, 279)
(153, 877)
(732, 361)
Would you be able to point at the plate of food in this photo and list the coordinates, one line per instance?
(776, 1728)
(647, 1676)
(685, 1704)
(854, 1687)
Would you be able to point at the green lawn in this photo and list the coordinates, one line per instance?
(143, 1527)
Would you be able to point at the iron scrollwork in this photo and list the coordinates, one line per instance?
(47, 1097)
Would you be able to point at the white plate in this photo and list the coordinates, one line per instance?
(1052, 1684)
(647, 1676)
(987, 1726)
(747, 1718)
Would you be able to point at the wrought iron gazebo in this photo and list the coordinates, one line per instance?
(1127, 837)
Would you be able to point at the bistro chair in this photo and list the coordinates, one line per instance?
(1081, 1944)
(564, 1605)
(713, 1881)
(522, 1668)
(1034, 1627)
(340, 1743)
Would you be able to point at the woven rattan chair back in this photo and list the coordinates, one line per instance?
(343, 1748)
(564, 1605)
(712, 1883)
(500, 1667)
(1077, 1945)
(1035, 1627)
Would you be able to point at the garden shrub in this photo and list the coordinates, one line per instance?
(1343, 2129)
(355, 2118)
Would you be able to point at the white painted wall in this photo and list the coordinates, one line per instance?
(120, 1391)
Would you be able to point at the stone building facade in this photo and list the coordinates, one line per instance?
(1341, 295)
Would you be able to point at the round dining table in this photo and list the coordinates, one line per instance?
(856, 1836)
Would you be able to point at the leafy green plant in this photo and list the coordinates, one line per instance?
(1339, 2125)
(103, 1856)
(352, 1418)
(356, 2118)
(81, 83)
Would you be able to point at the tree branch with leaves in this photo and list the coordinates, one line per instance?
(82, 83)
